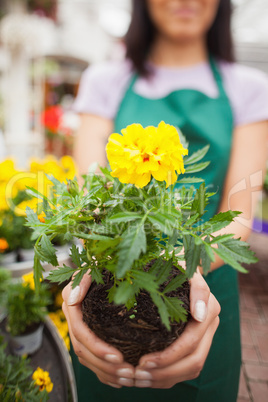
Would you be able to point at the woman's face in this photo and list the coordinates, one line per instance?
(182, 19)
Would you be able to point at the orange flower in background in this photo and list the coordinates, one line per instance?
(3, 245)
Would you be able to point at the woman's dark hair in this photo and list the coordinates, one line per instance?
(141, 31)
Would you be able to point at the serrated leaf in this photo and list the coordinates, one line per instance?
(221, 238)
(191, 220)
(48, 250)
(78, 277)
(61, 274)
(205, 260)
(199, 203)
(197, 167)
(162, 223)
(32, 217)
(175, 309)
(192, 255)
(229, 260)
(145, 280)
(175, 283)
(132, 245)
(162, 309)
(96, 275)
(238, 250)
(196, 156)
(164, 271)
(124, 217)
(75, 256)
(124, 291)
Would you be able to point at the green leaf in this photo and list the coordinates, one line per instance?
(48, 250)
(192, 255)
(175, 309)
(162, 309)
(205, 260)
(196, 167)
(132, 245)
(96, 275)
(61, 274)
(220, 221)
(199, 203)
(78, 277)
(75, 256)
(124, 291)
(145, 280)
(164, 272)
(190, 180)
(175, 283)
(238, 250)
(196, 156)
(32, 217)
(221, 238)
(229, 260)
(125, 217)
(162, 223)
(191, 220)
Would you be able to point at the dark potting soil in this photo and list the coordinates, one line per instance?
(138, 335)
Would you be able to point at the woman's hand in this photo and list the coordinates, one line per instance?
(181, 361)
(104, 360)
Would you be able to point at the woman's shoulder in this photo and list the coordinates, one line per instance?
(247, 88)
(101, 88)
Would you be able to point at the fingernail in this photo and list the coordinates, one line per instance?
(143, 375)
(74, 296)
(114, 385)
(143, 384)
(149, 365)
(125, 372)
(200, 311)
(112, 358)
(127, 382)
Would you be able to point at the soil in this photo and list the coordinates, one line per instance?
(138, 335)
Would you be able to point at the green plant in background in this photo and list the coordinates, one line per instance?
(128, 219)
(25, 307)
(15, 379)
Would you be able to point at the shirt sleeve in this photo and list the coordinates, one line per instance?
(101, 89)
(248, 93)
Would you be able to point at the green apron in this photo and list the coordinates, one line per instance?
(203, 120)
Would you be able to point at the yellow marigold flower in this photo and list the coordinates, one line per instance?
(42, 380)
(3, 245)
(69, 168)
(20, 209)
(28, 279)
(140, 153)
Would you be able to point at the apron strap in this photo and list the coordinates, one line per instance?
(217, 76)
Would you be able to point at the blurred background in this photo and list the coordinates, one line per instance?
(46, 44)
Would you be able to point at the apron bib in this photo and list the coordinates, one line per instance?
(202, 120)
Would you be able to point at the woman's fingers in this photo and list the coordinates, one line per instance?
(199, 295)
(186, 369)
(75, 295)
(186, 344)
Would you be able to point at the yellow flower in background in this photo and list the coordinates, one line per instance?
(7, 170)
(140, 153)
(3, 245)
(68, 166)
(20, 210)
(42, 380)
(28, 279)
(60, 322)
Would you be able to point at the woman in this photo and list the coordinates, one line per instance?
(179, 69)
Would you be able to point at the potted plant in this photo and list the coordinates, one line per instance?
(17, 380)
(26, 310)
(139, 224)
(16, 244)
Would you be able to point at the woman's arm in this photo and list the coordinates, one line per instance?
(244, 179)
(90, 141)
